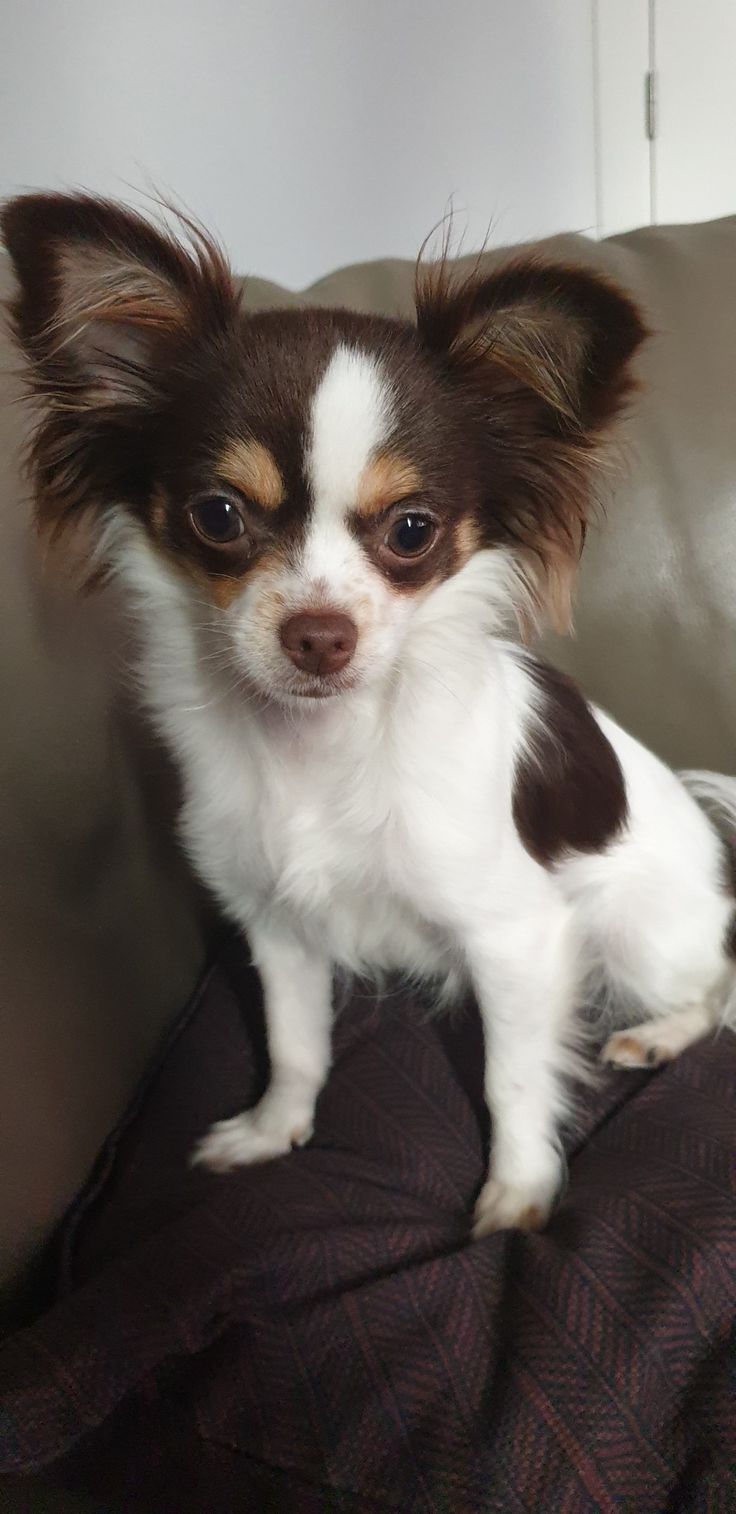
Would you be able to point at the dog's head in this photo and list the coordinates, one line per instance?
(309, 477)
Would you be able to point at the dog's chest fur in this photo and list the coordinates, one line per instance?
(356, 825)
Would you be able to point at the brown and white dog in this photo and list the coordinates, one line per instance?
(325, 522)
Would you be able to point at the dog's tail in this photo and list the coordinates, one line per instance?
(717, 794)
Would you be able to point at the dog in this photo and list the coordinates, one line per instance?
(338, 533)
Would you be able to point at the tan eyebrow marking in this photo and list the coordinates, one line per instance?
(385, 480)
(251, 469)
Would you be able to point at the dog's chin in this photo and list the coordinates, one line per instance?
(317, 695)
(312, 692)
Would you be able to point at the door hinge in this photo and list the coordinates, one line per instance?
(650, 104)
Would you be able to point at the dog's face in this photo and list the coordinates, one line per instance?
(310, 476)
(310, 484)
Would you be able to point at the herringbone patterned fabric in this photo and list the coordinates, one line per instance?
(319, 1334)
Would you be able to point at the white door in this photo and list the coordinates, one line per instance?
(665, 111)
(694, 149)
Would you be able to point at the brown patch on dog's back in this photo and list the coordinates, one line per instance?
(569, 792)
(386, 480)
(250, 468)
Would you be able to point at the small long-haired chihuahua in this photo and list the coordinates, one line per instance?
(326, 523)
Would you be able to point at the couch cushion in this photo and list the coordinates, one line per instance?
(320, 1333)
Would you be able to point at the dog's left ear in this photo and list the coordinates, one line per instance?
(541, 355)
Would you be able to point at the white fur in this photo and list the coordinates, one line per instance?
(350, 418)
(373, 831)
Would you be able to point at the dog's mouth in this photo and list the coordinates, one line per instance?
(313, 688)
(322, 687)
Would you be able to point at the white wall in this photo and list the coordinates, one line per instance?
(624, 152)
(309, 133)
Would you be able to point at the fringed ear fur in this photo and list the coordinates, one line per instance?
(105, 302)
(541, 355)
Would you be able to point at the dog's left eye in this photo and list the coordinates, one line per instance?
(217, 520)
(411, 535)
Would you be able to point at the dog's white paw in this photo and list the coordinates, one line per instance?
(635, 1048)
(512, 1206)
(256, 1136)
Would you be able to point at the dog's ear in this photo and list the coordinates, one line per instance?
(106, 302)
(542, 356)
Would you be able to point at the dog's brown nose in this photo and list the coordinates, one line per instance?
(319, 642)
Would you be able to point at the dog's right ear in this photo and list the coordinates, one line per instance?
(106, 303)
(541, 354)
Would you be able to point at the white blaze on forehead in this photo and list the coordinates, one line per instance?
(351, 416)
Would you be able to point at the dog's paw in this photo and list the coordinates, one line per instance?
(512, 1206)
(256, 1136)
(632, 1049)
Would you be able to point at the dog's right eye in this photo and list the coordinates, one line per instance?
(217, 520)
(411, 535)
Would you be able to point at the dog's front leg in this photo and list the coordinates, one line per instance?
(297, 994)
(525, 977)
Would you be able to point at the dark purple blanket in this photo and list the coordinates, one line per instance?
(319, 1333)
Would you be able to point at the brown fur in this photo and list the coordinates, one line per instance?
(154, 385)
(105, 303)
(542, 354)
(222, 584)
(158, 512)
(569, 794)
(225, 587)
(467, 538)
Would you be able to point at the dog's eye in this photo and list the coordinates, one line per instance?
(217, 520)
(411, 535)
